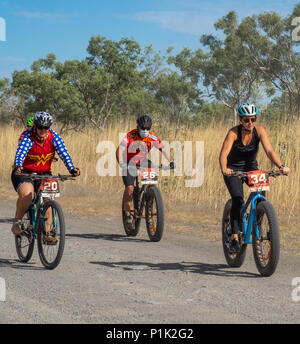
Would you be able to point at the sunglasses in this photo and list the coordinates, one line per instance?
(145, 128)
(247, 120)
(42, 128)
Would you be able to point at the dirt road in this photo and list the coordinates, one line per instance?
(105, 277)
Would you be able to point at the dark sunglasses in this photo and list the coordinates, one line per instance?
(145, 128)
(42, 128)
(247, 120)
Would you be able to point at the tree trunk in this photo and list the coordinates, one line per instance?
(235, 119)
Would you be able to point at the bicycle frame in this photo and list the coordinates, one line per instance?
(141, 190)
(251, 217)
(141, 196)
(36, 209)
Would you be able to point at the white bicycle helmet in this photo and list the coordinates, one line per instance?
(247, 109)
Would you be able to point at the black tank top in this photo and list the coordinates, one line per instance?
(241, 157)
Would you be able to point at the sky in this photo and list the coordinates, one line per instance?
(34, 28)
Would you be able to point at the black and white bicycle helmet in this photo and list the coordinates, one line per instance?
(43, 119)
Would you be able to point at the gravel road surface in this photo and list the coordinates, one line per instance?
(105, 277)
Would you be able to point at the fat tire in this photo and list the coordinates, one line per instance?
(266, 208)
(233, 260)
(137, 223)
(154, 193)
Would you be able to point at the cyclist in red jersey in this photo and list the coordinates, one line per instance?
(35, 153)
(132, 151)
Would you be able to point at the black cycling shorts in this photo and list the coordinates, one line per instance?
(129, 179)
(18, 180)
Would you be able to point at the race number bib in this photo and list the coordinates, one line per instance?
(148, 176)
(49, 186)
(258, 181)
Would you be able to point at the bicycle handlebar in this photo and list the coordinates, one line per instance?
(272, 173)
(61, 177)
(160, 167)
(163, 167)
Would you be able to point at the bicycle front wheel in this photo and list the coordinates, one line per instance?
(51, 223)
(266, 247)
(25, 242)
(154, 214)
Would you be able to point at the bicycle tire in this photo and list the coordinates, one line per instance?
(42, 247)
(235, 260)
(266, 263)
(25, 240)
(137, 221)
(154, 229)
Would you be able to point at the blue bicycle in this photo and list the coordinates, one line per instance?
(259, 225)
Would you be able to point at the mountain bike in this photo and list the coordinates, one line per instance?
(43, 217)
(146, 195)
(259, 225)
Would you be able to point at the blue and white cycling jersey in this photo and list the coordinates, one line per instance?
(36, 157)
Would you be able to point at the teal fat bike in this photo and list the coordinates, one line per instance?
(43, 217)
(259, 225)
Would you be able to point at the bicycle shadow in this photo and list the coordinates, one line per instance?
(16, 264)
(7, 220)
(219, 270)
(110, 237)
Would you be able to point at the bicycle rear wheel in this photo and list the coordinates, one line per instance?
(266, 248)
(25, 242)
(154, 214)
(234, 260)
(52, 218)
(136, 218)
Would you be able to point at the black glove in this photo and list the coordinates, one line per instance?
(75, 172)
(172, 165)
(18, 170)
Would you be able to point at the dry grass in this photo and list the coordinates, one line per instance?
(199, 209)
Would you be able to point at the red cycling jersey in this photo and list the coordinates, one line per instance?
(137, 147)
(40, 156)
(35, 156)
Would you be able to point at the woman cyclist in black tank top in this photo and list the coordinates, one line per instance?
(239, 153)
(243, 157)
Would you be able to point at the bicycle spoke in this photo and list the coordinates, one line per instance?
(151, 216)
(52, 228)
(264, 245)
(234, 259)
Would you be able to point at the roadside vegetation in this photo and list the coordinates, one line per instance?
(191, 96)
